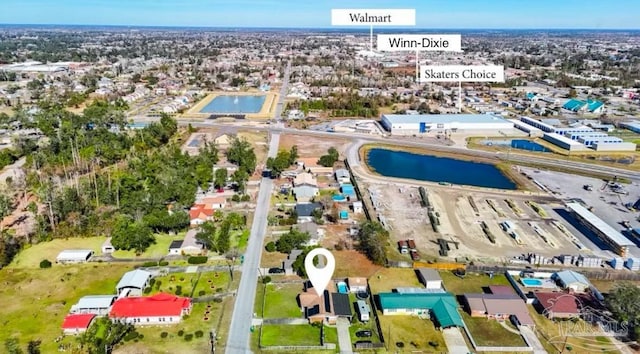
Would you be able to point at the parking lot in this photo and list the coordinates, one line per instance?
(607, 204)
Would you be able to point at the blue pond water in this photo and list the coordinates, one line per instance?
(234, 104)
(528, 145)
(436, 169)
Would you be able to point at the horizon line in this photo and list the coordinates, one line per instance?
(353, 28)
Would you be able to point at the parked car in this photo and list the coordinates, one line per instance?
(276, 270)
(415, 255)
(364, 333)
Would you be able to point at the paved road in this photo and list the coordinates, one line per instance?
(344, 338)
(532, 340)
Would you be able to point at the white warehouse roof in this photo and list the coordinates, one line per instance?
(94, 302)
(443, 118)
(74, 255)
(599, 224)
(134, 279)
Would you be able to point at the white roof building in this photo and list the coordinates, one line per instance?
(74, 256)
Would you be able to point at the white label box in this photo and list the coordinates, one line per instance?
(374, 17)
(462, 73)
(420, 42)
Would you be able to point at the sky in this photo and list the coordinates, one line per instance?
(457, 14)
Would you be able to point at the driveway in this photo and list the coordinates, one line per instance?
(344, 338)
(455, 341)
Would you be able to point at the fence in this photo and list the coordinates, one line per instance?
(374, 311)
(366, 206)
(598, 274)
(300, 348)
(439, 265)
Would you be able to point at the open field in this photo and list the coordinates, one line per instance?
(471, 283)
(41, 298)
(487, 332)
(552, 334)
(605, 286)
(351, 263)
(290, 335)
(193, 284)
(416, 333)
(156, 250)
(259, 142)
(31, 256)
(281, 301)
(388, 279)
(309, 146)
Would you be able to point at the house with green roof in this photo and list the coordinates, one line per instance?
(442, 306)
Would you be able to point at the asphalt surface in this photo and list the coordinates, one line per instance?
(240, 329)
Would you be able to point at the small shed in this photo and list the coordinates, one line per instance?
(74, 256)
(175, 247)
(430, 278)
(357, 207)
(107, 247)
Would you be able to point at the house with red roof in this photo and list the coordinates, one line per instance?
(200, 213)
(77, 323)
(557, 304)
(159, 309)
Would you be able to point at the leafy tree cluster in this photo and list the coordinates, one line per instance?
(104, 335)
(283, 160)
(241, 153)
(128, 234)
(330, 158)
(373, 239)
(216, 238)
(624, 302)
(9, 247)
(292, 240)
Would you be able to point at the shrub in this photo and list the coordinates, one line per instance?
(164, 335)
(150, 264)
(217, 300)
(131, 336)
(180, 333)
(235, 198)
(188, 337)
(197, 259)
(199, 334)
(201, 293)
(45, 263)
(185, 317)
(158, 283)
(178, 290)
(271, 247)
(163, 263)
(151, 282)
(218, 290)
(147, 290)
(245, 198)
(266, 280)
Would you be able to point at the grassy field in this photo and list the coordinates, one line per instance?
(414, 332)
(471, 283)
(39, 299)
(156, 250)
(281, 301)
(487, 332)
(390, 278)
(239, 239)
(192, 283)
(552, 335)
(180, 338)
(604, 286)
(31, 256)
(290, 335)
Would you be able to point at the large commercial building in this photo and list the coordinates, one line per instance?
(606, 233)
(410, 124)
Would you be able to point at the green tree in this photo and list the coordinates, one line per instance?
(241, 153)
(236, 220)
(240, 178)
(131, 235)
(223, 240)
(292, 240)
(330, 158)
(293, 155)
(34, 347)
(207, 235)
(373, 239)
(6, 206)
(220, 178)
(624, 302)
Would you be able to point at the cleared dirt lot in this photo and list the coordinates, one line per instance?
(461, 214)
(309, 146)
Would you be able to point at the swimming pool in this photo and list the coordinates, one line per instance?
(339, 198)
(531, 283)
(342, 288)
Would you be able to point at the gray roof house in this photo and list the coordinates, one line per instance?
(313, 230)
(305, 192)
(94, 304)
(342, 175)
(571, 280)
(133, 282)
(305, 211)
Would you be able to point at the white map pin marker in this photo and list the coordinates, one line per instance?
(320, 277)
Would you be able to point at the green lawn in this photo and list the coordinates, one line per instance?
(37, 300)
(390, 278)
(470, 283)
(488, 332)
(306, 334)
(208, 282)
(174, 342)
(414, 332)
(31, 256)
(281, 301)
(240, 240)
(156, 250)
(331, 335)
